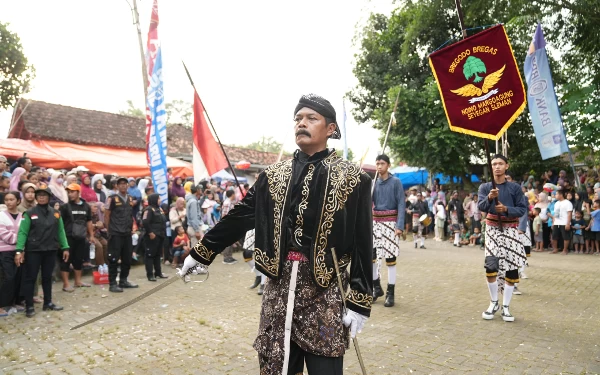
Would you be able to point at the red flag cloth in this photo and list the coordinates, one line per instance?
(480, 84)
(208, 157)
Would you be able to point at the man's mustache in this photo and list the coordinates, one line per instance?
(302, 132)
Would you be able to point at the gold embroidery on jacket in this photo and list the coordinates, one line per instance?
(203, 252)
(361, 299)
(303, 204)
(279, 176)
(342, 178)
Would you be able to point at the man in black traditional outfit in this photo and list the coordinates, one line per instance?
(301, 209)
(504, 251)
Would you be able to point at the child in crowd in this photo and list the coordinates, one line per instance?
(578, 224)
(440, 220)
(594, 227)
(464, 237)
(474, 239)
(538, 231)
(181, 247)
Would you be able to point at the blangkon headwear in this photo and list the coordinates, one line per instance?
(322, 107)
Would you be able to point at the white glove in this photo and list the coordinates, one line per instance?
(187, 264)
(355, 321)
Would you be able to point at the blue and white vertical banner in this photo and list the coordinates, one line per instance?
(157, 145)
(344, 131)
(541, 98)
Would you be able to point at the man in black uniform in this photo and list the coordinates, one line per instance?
(118, 219)
(77, 216)
(154, 223)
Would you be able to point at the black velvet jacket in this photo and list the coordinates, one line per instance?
(339, 196)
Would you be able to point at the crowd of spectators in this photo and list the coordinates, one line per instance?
(79, 201)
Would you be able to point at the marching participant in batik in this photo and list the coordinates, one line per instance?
(456, 215)
(504, 251)
(388, 221)
(301, 209)
(419, 208)
(259, 278)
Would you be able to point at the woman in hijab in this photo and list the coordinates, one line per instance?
(142, 187)
(166, 249)
(188, 187)
(177, 214)
(154, 224)
(59, 194)
(18, 175)
(71, 179)
(87, 192)
(98, 182)
(178, 191)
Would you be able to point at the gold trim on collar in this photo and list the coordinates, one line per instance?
(279, 176)
(303, 204)
(342, 178)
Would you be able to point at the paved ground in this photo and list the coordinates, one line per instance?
(435, 328)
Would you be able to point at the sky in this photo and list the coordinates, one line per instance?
(250, 60)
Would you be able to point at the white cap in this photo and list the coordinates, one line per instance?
(597, 185)
(81, 168)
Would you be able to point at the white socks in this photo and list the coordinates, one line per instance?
(376, 269)
(508, 292)
(422, 241)
(263, 279)
(457, 238)
(392, 275)
(493, 287)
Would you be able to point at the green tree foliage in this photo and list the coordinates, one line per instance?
(15, 71)
(340, 153)
(393, 58)
(180, 112)
(266, 144)
(132, 110)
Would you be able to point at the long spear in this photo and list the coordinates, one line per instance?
(387, 134)
(214, 131)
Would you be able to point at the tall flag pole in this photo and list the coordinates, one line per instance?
(543, 105)
(208, 157)
(156, 112)
(344, 130)
(387, 134)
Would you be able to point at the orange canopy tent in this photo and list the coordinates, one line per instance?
(98, 159)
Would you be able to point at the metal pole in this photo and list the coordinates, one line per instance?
(387, 134)
(486, 143)
(136, 21)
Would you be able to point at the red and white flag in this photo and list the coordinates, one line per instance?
(151, 51)
(207, 155)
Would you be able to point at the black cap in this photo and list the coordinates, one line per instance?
(122, 179)
(43, 190)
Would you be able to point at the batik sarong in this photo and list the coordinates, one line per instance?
(505, 245)
(384, 234)
(315, 317)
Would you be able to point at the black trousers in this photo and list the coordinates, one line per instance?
(154, 250)
(8, 287)
(77, 250)
(34, 260)
(315, 364)
(119, 247)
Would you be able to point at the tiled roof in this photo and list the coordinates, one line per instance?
(40, 120)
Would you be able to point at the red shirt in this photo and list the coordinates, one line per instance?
(181, 240)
